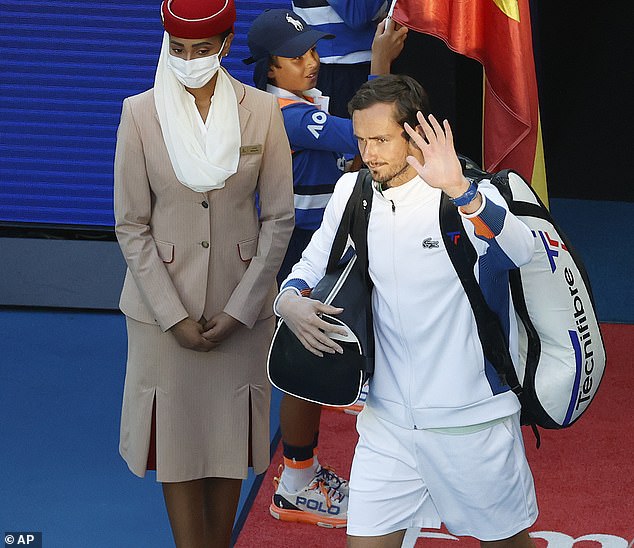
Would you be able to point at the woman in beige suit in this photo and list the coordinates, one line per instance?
(193, 153)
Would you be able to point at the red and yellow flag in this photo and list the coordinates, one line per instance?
(497, 33)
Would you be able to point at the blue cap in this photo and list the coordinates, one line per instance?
(280, 32)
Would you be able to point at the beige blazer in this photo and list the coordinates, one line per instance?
(192, 254)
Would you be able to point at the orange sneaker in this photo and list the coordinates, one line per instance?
(317, 503)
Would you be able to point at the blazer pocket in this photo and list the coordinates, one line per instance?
(247, 249)
(165, 251)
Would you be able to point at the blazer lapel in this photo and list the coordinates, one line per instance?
(243, 113)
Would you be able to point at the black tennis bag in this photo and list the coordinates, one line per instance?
(335, 379)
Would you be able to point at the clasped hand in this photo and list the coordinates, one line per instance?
(202, 338)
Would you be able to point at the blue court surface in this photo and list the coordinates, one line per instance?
(61, 380)
(61, 383)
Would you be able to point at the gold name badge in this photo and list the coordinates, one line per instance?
(250, 149)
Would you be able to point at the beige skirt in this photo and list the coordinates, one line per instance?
(203, 400)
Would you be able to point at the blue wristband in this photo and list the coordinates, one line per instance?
(467, 197)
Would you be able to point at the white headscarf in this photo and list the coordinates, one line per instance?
(201, 162)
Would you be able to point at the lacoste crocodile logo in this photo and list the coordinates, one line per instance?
(428, 243)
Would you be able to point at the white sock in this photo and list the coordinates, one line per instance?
(295, 479)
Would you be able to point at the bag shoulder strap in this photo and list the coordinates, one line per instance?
(354, 222)
(463, 257)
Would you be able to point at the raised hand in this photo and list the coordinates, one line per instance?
(389, 40)
(441, 168)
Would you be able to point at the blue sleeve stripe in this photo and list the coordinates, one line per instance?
(298, 284)
(493, 281)
(492, 216)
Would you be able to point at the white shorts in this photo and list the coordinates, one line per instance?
(478, 484)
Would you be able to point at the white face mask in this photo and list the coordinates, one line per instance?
(195, 73)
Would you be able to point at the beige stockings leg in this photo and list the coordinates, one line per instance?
(201, 512)
(221, 503)
(185, 502)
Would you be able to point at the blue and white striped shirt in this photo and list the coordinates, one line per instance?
(353, 22)
(319, 142)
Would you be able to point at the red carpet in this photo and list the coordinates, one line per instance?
(584, 475)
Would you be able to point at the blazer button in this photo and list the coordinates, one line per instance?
(205, 244)
(204, 204)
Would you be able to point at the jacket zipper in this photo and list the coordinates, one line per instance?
(403, 339)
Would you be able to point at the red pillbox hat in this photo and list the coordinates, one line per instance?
(197, 18)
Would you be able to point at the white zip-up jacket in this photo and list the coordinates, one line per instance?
(430, 371)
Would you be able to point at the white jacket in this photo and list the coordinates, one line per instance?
(430, 371)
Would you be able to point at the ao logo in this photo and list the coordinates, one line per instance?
(319, 118)
(553, 539)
